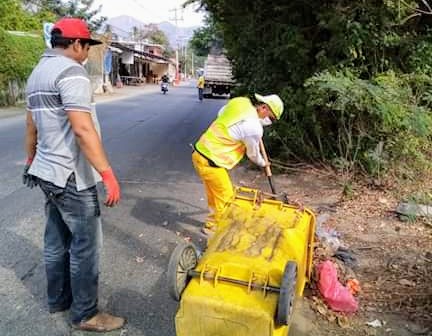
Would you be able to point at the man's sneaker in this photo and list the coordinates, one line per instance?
(101, 322)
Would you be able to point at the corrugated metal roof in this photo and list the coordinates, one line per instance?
(147, 55)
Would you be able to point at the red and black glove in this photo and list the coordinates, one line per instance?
(111, 186)
(29, 180)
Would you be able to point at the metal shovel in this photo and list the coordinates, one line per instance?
(283, 196)
(267, 168)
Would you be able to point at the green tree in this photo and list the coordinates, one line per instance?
(19, 54)
(157, 36)
(14, 16)
(74, 8)
(206, 37)
(338, 54)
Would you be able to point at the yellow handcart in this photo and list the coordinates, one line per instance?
(255, 265)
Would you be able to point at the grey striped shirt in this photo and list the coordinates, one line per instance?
(57, 86)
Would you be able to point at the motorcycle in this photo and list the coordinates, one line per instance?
(164, 87)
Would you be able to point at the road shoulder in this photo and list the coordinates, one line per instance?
(117, 94)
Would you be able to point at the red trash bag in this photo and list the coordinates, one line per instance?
(337, 297)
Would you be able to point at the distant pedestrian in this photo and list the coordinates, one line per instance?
(200, 86)
(66, 159)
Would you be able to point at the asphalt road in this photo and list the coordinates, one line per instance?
(147, 138)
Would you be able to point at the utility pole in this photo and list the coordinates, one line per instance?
(183, 46)
(176, 19)
(185, 58)
(193, 72)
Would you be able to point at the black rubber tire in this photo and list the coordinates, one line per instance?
(183, 258)
(287, 294)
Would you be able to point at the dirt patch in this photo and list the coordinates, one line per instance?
(394, 257)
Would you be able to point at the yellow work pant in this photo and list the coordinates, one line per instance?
(217, 184)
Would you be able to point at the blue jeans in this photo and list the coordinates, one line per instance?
(200, 93)
(71, 252)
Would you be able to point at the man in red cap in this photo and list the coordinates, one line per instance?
(66, 158)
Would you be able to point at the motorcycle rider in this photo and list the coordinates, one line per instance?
(165, 78)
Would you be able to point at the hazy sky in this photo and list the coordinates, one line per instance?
(151, 11)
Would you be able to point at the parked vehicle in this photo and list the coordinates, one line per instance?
(218, 75)
(164, 87)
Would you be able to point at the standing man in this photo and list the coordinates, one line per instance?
(66, 159)
(200, 86)
(237, 131)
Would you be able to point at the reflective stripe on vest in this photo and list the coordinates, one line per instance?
(217, 144)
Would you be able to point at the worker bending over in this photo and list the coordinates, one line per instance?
(236, 131)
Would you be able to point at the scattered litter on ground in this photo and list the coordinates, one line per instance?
(347, 256)
(335, 295)
(413, 210)
(343, 321)
(394, 259)
(321, 219)
(329, 240)
(353, 286)
(375, 324)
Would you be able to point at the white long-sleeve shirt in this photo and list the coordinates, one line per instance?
(250, 132)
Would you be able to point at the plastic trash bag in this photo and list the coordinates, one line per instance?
(347, 256)
(335, 295)
(327, 236)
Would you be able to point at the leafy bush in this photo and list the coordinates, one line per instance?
(354, 76)
(19, 55)
(369, 124)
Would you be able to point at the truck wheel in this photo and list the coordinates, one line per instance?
(183, 259)
(287, 294)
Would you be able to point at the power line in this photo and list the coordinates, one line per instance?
(148, 10)
(176, 19)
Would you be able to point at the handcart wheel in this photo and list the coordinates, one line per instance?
(183, 259)
(287, 294)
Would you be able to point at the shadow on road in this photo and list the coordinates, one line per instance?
(25, 259)
(151, 314)
(164, 212)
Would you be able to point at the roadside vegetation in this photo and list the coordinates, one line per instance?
(354, 77)
(22, 41)
(354, 141)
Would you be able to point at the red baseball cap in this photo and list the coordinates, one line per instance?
(75, 28)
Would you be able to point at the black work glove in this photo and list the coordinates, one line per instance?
(29, 180)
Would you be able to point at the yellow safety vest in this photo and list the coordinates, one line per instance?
(200, 82)
(216, 144)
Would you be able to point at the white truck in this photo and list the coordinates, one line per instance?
(217, 75)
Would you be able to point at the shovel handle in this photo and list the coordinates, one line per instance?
(264, 154)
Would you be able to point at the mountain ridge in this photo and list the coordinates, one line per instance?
(123, 25)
